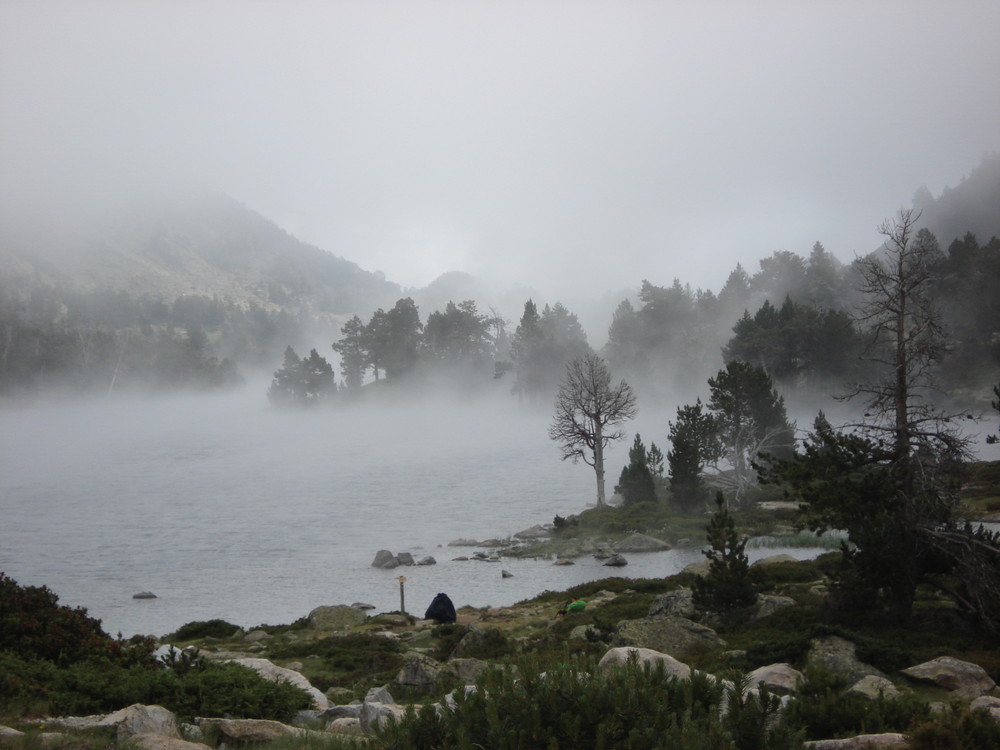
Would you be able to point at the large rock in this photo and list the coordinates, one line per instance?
(375, 715)
(274, 673)
(887, 741)
(699, 568)
(767, 604)
(624, 654)
(535, 532)
(247, 730)
(678, 603)
(418, 671)
(140, 719)
(963, 677)
(465, 671)
(336, 617)
(616, 561)
(385, 559)
(780, 679)
(872, 687)
(987, 703)
(640, 543)
(405, 558)
(158, 742)
(839, 657)
(670, 635)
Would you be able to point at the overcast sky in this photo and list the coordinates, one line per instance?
(576, 146)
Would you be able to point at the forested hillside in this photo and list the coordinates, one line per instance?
(194, 292)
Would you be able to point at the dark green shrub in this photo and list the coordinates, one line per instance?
(203, 629)
(34, 625)
(573, 705)
(956, 729)
(99, 686)
(348, 658)
(728, 585)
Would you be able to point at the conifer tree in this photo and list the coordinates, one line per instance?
(728, 585)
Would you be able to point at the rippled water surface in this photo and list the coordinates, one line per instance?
(225, 508)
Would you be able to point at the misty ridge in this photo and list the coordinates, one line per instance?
(200, 293)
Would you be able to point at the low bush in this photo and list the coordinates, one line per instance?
(32, 686)
(574, 704)
(203, 629)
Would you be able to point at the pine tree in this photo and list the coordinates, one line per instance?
(728, 585)
(636, 484)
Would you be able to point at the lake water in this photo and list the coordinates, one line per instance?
(227, 509)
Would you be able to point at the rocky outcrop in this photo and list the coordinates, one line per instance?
(240, 731)
(669, 635)
(375, 715)
(535, 532)
(679, 603)
(874, 687)
(270, 671)
(963, 677)
(767, 604)
(887, 741)
(640, 543)
(839, 657)
(418, 671)
(336, 617)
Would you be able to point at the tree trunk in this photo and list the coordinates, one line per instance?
(599, 466)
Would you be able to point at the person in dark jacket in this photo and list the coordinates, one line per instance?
(441, 610)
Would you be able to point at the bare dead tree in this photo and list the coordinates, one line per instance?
(588, 412)
(907, 340)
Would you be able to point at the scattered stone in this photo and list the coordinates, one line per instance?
(767, 604)
(887, 741)
(159, 742)
(336, 617)
(603, 552)
(669, 635)
(405, 558)
(616, 561)
(506, 574)
(465, 671)
(255, 636)
(140, 719)
(839, 656)
(427, 560)
(385, 559)
(391, 619)
(352, 711)
(563, 561)
(987, 703)
(464, 543)
(778, 505)
(378, 695)
(363, 606)
(270, 671)
(963, 677)
(346, 725)
(419, 671)
(780, 679)
(873, 687)
(622, 655)
(678, 603)
(640, 543)
(535, 532)
(699, 568)
(10, 732)
(144, 595)
(247, 730)
(460, 558)
(375, 715)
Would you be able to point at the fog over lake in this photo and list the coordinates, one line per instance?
(225, 508)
